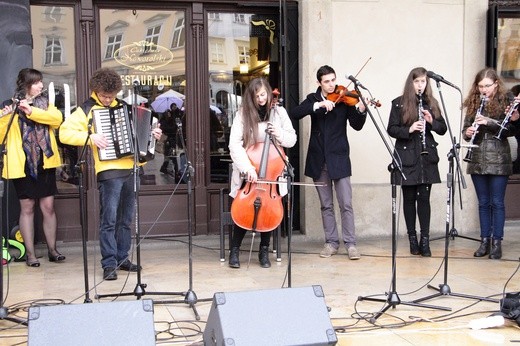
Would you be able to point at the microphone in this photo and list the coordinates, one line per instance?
(356, 82)
(441, 79)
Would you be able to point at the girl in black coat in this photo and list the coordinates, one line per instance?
(413, 118)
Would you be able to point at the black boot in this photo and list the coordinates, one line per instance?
(496, 249)
(414, 245)
(234, 261)
(484, 247)
(263, 257)
(164, 167)
(424, 246)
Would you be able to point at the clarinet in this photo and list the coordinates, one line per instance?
(469, 154)
(512, 108)
(423, 132)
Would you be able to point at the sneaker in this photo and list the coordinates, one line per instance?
(328, 250)
(128, 266)
(353, 253)
(109, 273)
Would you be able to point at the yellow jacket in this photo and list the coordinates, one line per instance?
(74, 131)
(14, 160)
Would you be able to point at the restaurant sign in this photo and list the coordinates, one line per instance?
(143, 56)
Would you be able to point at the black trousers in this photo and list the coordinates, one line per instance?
(239, 234)
(416, 200)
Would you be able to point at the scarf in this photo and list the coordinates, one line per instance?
(35, 138)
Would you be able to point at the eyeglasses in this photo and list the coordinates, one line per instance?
(487, 86)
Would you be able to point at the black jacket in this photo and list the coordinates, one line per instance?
(328, 142)
(417, 168)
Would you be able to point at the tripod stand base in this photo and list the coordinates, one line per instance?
(190, 298)
(454, 234)
(4, 315)
(445, 290)
(393, 300)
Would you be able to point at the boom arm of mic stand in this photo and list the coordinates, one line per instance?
(396, 164)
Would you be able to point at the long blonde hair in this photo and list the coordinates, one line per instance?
(251, 110)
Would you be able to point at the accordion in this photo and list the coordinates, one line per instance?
(117, 126)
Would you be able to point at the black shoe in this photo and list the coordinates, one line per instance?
(484, 248)
(129, 266)
(496, 249)
(58, 258)
(109, 273)
(414, 245)
(234, 261)
(424, 246)
(164, 169)
(263, 257)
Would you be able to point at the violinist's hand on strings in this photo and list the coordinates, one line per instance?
(274, 131)
(251, 176)
(360, 106)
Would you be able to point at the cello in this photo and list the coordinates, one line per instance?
(258, 206)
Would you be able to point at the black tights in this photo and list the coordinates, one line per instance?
(416, 199)
(239, 233)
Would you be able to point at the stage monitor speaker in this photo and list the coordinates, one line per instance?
(114, 323)
(287, 316)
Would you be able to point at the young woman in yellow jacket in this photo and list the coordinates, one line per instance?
(31, 157)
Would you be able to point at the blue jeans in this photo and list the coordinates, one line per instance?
(491, 191)
(117, 207)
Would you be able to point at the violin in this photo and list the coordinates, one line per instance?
(349, 97)
(258, 206)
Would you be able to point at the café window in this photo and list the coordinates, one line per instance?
(157, 62)
(54, 55)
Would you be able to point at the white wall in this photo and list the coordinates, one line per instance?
(446, 36)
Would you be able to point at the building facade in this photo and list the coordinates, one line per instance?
(201, 54)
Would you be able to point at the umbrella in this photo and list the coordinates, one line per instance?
(162, 104)
(130, 99)
(215, 109)
(173, 93)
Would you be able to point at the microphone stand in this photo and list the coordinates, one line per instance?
(4, 313)
(393, 298)
(139, 289)
(444, 289)
(190, 297)
(290, 189)
(80, 164)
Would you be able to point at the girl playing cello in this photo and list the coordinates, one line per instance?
(257, 116)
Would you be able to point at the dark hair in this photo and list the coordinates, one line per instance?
(516, 90)
(410, 101)
(105, 80)
(250, 108)
(26, 78)
(324, 70)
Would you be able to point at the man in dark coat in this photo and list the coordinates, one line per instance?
(328, 159)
